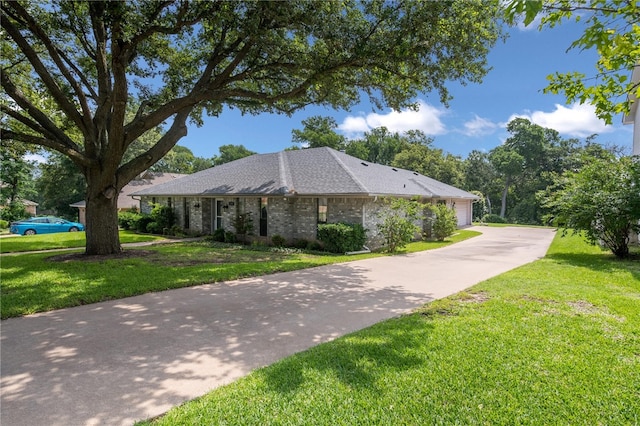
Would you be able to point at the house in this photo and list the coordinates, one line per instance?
(125, 201)
(29, 206)
(633, 117)
(288, 193)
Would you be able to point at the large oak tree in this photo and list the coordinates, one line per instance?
(72, 70)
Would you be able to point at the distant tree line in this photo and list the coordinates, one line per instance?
(509, 178)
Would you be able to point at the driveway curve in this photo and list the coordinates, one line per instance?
(117, 362)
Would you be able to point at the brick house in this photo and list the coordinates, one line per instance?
(288, 193)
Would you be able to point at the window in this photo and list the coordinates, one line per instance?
(322, 210)
(219, 204)
(264, 201)
(185, 205)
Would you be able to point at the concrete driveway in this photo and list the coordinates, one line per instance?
(116, 362)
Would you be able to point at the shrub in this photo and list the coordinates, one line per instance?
(14, 211)
(494, 218)
(342, 237)
(4, 224)
(314, 246)
(398, 226)
(177, 231)
(229, 237)
(278, 240)
(300, 243)
(218, 235)
(142, 222)
(445, 223)
(163, 216)
(127, 220)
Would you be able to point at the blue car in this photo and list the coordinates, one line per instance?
(44, 225)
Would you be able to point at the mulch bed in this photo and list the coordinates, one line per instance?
(81, 257)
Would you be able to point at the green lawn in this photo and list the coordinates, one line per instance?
(556, 341)
(62, 240)
(34, 283)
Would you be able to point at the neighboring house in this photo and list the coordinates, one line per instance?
(29, 206)
(288, 193)
(633, 117)
(125, 201)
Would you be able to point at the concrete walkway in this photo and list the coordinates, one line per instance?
(117, 362)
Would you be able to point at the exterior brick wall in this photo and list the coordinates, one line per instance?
(290, 217)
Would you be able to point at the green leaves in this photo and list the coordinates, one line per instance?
(602, 199)
(611, 28)
(528, 9)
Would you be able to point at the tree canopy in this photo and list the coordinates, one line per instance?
(71, 71)
(318, 131)
(601, 199)
(230, 153)
(611, 27)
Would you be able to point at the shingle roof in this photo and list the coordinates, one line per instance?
(311, 172)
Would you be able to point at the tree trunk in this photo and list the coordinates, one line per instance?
(102, 221)
(503, 207)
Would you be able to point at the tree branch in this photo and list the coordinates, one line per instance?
(73, 154)
(103, 108)
(42, 118)
(178, 129)
(60, 97)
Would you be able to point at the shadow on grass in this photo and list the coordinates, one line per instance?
(354, 360)
(600, 262)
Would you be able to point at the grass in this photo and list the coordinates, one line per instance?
(556, 341)
(62, 240)
(34, 283)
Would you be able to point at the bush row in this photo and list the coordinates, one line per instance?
(161, 220)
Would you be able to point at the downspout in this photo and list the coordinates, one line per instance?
(365, 250)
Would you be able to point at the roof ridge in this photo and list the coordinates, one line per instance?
(286, 179)
(423, 186)
(334, 154)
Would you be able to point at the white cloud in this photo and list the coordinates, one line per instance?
(36, 158)
(426, 119)
(578, 120)
(478, 127)
(352, 125)
(533, 26)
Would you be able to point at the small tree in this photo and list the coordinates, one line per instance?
(398, 222)
(243, 225)
(602, 200)
(445, 222)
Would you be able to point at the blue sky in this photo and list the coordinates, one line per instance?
(476, 117)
